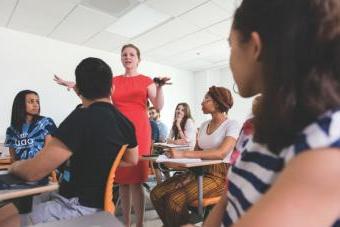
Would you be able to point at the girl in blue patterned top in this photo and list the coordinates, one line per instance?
(288, 172)
(29, 131)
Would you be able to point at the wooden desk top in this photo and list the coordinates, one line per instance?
(186, 165)
(16, 193)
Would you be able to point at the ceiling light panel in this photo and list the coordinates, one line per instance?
(6, 8)
(174, 7)
(137, 21)
(115, 8)
(82, 24)
(40, 16)
(199, 17)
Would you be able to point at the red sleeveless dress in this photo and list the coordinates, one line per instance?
(130, 97)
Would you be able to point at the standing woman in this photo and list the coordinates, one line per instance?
(131, 91)
(28, 132)
(183, 129)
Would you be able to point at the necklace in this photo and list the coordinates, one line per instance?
(212, 127)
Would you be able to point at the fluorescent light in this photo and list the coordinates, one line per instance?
(137, 21)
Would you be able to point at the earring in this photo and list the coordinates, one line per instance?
(234, 89)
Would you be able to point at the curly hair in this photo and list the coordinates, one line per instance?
(222, 97)
(301, 63)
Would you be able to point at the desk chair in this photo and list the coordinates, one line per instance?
(108, 195)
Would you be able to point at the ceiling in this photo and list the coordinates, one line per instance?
(191, 35)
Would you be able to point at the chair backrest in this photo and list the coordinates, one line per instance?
(108, 195)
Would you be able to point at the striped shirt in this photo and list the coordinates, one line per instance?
(257, 168)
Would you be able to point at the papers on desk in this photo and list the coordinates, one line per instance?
(171, 145)
(164, 158)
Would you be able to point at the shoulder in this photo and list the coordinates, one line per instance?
(204, 124)
(145, 79)
(316, 172)
(189, 123)
(47, 120)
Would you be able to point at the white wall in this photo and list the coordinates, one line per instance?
(219, 77)
(29, 62)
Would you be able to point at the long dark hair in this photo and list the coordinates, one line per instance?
(187, 115)
(19, 114)
(301, 63)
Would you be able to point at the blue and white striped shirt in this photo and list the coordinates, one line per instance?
(257, 168)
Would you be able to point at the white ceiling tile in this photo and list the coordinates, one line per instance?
(228, 5)
(184, 44)
(106, 41)
(174, 7)
(81, 25)
(221, 29)
(170, 31)
(200, 18)
(40, 16)
(6, 8)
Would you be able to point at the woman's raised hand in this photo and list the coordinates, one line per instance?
(68, 84)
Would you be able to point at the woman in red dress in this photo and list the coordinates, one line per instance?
(130, 94)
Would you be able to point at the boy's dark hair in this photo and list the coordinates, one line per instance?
(18, 117)
(301, 63)
(93, 78)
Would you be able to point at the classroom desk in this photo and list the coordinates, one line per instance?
(17, 193)
(102, 219)
(197, 168)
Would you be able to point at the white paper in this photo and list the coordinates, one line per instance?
(164, 158)
(171, 145)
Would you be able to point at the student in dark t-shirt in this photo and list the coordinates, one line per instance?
(89, 140)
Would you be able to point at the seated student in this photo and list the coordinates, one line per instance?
(288, 174)
(163, 129)
(29, 132)
(155, 133)
(183, 129)
(216, 139)
(89, 138)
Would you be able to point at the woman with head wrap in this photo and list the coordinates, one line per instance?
(216, 139)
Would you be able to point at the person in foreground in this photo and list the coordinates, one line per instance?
(288, 175)
(89, 140)
(216, 139)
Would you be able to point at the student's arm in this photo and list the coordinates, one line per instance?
(305, 194)
(220, 152)
(188, 135)
(130, 157)
(12, 154)
(49, 158)
(216, 215)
